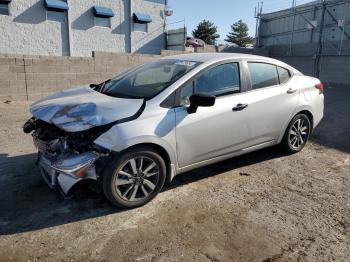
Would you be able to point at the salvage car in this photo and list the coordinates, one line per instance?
(131, 134)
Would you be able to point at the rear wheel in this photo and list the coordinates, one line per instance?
(134, 178)
(297, 134)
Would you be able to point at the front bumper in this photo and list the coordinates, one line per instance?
(65, 173)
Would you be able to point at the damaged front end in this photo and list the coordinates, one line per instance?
(66, 159)
(64, 127)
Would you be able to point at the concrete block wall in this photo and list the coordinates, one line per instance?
(24, 77)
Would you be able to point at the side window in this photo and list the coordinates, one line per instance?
(4, 8)
(185, 94)
(138, 27)
(284, 75)
(263, 75)
(220, 80)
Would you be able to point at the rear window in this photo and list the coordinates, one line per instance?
(263, 75)
(284, 75)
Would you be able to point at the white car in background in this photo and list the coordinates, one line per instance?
(131, 134)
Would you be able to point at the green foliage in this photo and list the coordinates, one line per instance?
(239, 34)
(207, 32)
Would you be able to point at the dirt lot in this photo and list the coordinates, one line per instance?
(286, 208)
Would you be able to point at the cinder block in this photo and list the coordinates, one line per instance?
(106, 76)
(4, 68)
(16, 68)
(66, 76)
(7, 61)
(81, 68)
(100, 68)
(19, 61)
(28, 76)
(75, 83)
(13, 97)
(21, 76)
(4, 83)
(28, 61)
(88, 76)
(45, 62)
(8, 76)
(17, 84)
(63, 84)
(40, 84)
(42, 76)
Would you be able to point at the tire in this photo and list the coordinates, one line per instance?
(296, 137)
(134, 178)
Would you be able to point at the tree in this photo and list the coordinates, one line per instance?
(239, 34)
(207, 32)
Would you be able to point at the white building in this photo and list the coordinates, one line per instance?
(78, 27)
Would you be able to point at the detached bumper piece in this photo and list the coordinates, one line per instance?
(68, 171)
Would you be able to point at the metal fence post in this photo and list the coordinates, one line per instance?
(320, 39)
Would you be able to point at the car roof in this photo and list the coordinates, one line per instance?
(207, 57)
(217, 57)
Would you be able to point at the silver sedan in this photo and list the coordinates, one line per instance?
(130, 135)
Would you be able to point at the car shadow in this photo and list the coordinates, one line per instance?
(28, 204)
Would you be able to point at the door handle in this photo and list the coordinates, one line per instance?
(291, 91)
(240, 107)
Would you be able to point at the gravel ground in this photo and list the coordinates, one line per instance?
(264, 206)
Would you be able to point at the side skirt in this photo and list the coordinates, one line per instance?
(226, 156)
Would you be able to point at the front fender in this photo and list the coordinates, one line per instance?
(158, 130)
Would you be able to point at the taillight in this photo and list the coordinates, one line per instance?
(320, 87)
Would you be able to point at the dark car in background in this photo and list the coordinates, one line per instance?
(194, 42)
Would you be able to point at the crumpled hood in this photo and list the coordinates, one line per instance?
(82, 108)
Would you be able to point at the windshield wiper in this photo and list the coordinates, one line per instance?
(99, 87)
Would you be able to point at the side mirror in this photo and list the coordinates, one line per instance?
(200, 99)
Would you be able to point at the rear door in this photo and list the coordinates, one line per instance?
(211, 131)
(271, 101)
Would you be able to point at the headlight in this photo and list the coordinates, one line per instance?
(76, 165)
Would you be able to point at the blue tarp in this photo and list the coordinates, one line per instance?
(103, 11)
(142, 18)
(58, 5)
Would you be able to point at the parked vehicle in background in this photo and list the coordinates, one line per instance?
(250, 46)
(133, 133)
(194, 42)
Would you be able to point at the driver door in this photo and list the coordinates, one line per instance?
(211, 131)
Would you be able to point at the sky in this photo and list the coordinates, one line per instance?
(222, 12)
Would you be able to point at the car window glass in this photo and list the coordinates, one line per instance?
(149, 79)
(152, 76)
(284, 75)
(185, 94)
(220, 80)
(263, 75)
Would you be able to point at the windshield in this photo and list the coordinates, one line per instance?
(148, 80)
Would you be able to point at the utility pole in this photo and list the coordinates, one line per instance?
(294, 3)
(257, 15)
(344, 25)
(320, 41)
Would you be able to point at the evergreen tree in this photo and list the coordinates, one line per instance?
(239, 34)
(207, 32)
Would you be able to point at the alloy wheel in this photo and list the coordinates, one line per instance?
(298, 133)
(137, 178)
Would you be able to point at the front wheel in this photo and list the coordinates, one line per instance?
(134, 178)
(297, 134)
